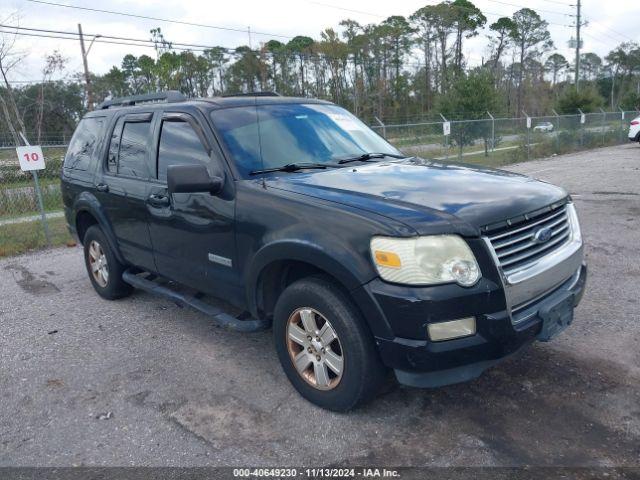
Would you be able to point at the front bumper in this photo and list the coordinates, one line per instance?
(423, 363)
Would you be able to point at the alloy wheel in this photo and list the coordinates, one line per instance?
(315, 349)
(98, 264)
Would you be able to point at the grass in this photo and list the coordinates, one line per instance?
(21, 201)
(24, 237)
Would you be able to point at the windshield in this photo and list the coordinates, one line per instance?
(271, 136)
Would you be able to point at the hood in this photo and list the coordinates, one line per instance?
(425, 193)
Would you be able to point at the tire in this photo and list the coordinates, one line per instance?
(361, 375)
(98, 253)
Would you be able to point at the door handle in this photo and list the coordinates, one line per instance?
(158, 200)
(101, 187)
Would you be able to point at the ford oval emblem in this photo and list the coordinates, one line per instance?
(543, 235)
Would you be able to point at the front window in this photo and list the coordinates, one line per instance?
(179, 145)
(271, 136)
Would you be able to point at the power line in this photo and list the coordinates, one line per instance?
(42, 33)
(157, 19)
(558, 2)
(602, 27)
(58, 37)
(554, 12)
(96, 36)
(347, 9)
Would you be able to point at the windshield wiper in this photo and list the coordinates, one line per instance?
(290, 167)
(369, 156)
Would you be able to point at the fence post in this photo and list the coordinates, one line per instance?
(43, 217)
(621, 125)
(528, 125)
(558, 132)
(446, 138)
(604, 121)
(582, 115)
(493, 132)
(384, 127)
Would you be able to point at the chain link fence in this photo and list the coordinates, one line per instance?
(20, 226)
(489, 141)
(500, 141)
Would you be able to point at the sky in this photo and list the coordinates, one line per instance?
(609, 23)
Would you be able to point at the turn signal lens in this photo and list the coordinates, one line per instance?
(387, 259)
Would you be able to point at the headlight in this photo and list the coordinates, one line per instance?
(425, 260)
(575, 224)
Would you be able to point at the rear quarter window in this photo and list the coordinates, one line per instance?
(84, 143)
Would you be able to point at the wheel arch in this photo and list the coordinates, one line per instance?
(278, 265)
(89, 212)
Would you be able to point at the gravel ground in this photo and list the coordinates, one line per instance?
(84, 381)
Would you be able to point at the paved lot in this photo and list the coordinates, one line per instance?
(182, 392)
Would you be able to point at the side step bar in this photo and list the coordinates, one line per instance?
(220, 317)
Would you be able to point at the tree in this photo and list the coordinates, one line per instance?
(467, 19)
(555, 64)
(423, 21)
(445, 20)
(397, 33)
(621, 62)
(590, 66)
(529, 33)
(278, 56)
(9, 58)
(148, 73)
(475, 95)
(300, 46)
(586, 99)
(54, 62)
(503, 30)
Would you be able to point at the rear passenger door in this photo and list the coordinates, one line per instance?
(122, 187)
(192, 233)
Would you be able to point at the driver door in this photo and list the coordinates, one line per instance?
(192, 233)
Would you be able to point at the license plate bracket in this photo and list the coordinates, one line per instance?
(556, 318)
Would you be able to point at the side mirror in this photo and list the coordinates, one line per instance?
(192, 179)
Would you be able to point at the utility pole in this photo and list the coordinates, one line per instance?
(87, 77)
(578, 25)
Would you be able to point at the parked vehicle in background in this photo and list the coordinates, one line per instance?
(634, 130)
(363, 260)
(543, 127)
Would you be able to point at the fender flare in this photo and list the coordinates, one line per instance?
(87, 202)
(337, 262)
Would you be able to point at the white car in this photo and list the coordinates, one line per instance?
(634, 130)
(543, 127)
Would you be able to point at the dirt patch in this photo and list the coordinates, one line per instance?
(28, 281)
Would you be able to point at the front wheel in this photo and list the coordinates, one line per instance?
(324, 347)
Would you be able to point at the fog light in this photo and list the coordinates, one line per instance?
(453, 329)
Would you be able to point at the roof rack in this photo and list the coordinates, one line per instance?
(170, 96)
(252, 94)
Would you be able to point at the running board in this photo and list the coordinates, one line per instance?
(220, 317)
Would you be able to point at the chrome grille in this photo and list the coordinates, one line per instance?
(515, 245)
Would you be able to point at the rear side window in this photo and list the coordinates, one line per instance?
(84, 143)
(128, 149)
(132, 160)
(179, 145)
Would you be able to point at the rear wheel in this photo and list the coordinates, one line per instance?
(324, 347)
(104, 269)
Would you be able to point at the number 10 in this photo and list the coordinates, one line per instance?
(33, 157)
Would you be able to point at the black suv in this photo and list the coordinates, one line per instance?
(363, 260)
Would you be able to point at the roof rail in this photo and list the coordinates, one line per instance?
(252, 94)
(170, 96)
